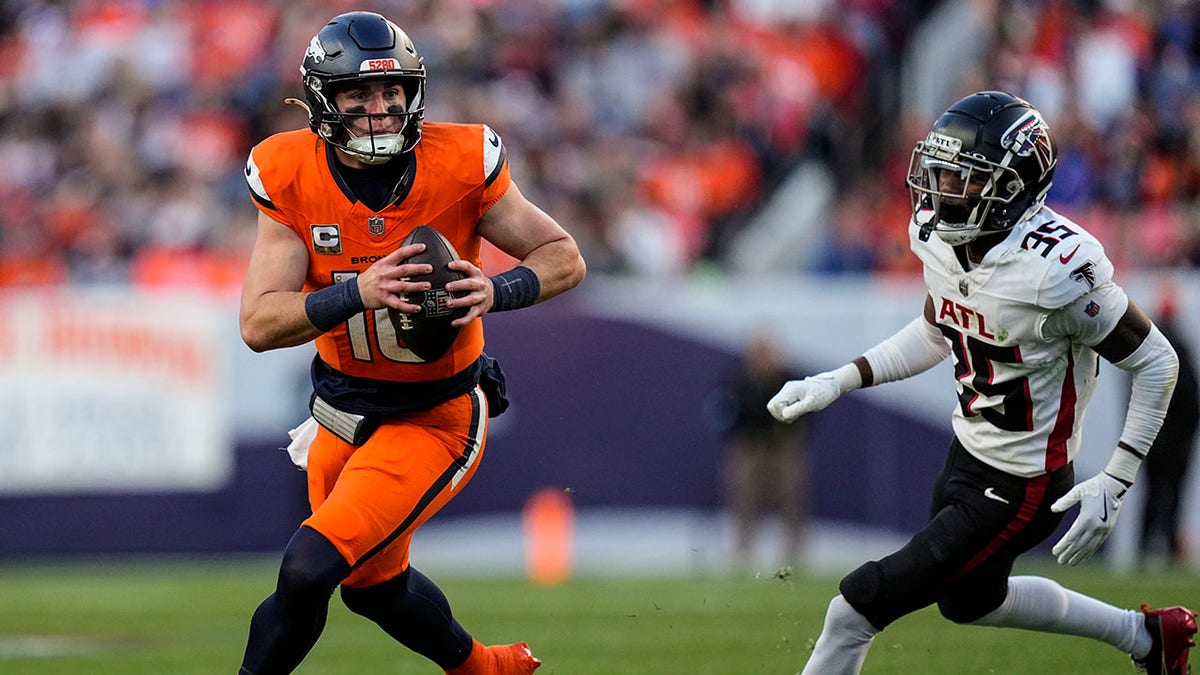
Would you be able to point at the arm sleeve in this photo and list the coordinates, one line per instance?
(914, 349)
(1154, 367)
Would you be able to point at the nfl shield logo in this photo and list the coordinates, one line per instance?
(375, 225)
(963, 286)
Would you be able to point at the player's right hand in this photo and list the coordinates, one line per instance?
(387, 280)
(800, 397)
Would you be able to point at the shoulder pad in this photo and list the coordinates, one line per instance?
(1073, 268)
(254, 181)
(494, 155)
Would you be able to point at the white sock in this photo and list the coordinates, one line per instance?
(844, 641)
(1036, 603)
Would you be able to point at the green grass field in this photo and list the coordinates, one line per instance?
(131, 617)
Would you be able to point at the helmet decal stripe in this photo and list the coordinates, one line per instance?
(1028, 136)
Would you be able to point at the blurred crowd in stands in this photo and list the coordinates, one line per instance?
(654, 130)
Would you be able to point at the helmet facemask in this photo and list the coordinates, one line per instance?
(955, 194)
(372, 138)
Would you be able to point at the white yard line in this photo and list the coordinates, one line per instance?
(41, 646)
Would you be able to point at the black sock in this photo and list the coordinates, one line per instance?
(415, 612)
(287, 624)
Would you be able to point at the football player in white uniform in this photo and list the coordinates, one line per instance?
(1024, 300)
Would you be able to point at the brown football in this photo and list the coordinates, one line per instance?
(428, 333)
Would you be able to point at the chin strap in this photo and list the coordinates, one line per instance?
(927, 227)
(378, 148)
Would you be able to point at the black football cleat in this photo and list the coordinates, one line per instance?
(1171, 629)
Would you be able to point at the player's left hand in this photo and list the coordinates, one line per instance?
(476, 289)
(800, 397)
(1099, 499)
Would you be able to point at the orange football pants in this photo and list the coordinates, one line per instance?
(368, 500)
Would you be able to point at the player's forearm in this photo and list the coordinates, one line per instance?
(1154, 367)
(558, 266)
(276, 320)
(914, 349)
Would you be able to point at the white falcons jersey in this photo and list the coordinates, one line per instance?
(1023, 384)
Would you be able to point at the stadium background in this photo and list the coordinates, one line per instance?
(726, 166)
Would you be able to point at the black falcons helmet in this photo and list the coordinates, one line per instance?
(353, 47)
(1002, 151)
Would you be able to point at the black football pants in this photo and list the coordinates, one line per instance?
(981, 519)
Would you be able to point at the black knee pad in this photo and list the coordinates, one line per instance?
(311, 565)
(861, 587)
(959, 609)
(969, 605)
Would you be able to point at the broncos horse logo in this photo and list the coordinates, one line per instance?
(315, 51)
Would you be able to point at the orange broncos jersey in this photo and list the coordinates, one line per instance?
(461, 171)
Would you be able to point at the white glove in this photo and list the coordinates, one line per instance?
(800, 397)
(1099, 499)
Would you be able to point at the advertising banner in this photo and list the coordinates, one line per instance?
(115, 392)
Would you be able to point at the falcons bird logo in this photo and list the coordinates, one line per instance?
(1029, 136)
(1085, 273)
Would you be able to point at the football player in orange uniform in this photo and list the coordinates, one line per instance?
(393, 437)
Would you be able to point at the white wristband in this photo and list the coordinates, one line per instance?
(847, 377)
(1124, 464)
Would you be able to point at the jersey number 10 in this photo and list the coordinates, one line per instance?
(385, 335)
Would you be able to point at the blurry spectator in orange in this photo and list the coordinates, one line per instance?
(765, 460)
(1167, 462)
(703, 171)
(19, 269)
